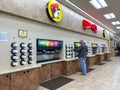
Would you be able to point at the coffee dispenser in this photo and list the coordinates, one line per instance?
(48, 50)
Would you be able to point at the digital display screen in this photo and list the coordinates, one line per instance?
(94, 45)
(76, 44)
(49, 44)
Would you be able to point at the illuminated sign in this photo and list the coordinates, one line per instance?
(54, 11)
(94, 27)
(104, 33)
(88, 25)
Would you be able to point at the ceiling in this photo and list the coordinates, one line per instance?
(113, 6)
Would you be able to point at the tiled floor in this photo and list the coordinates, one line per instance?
(105, 77)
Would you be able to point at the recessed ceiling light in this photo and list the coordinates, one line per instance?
(98, 4)
(109, 16)
(118, 27)
(115, 23)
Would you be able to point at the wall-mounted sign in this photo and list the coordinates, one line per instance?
(22, 33)
(54, 11)
(88, 25)
(94, 28)
(104, 33)
(3, 36)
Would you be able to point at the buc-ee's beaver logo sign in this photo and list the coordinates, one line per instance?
(54, 11)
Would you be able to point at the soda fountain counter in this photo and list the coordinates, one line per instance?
(71, 63)
(29, 54)
(107, 56)
(49, 56)
(105, 51)
(90, 61)
(100, 55)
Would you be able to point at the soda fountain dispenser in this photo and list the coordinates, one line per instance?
(94, 48)
(76, 46)
(48, 50)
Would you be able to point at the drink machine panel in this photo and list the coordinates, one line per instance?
(94, 48)
(48, 50)
(104, 48)
(76, 46)
(68, 50)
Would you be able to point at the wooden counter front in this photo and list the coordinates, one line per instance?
(90, 61)
(49, 71)
(106, 56)
(56, 69)
(24, 80)
(70, 67)
(5, 82)
(100, 58)
(44, 72)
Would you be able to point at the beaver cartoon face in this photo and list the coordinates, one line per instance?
(55, 10)
(56, 13)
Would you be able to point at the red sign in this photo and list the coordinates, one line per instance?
(88, 25)
(94, 28)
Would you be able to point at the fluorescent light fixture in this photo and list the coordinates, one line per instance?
(109, 16)
(98, 4)
(115, 23)
(118, 27)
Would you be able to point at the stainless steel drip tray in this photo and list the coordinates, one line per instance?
(47, 57)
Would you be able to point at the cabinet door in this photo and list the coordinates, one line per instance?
(79, 65)
(70, 67)
(45, 72)
(5, 82)
(56, 69)
(75, 66)
(32, 79)
(18, 80)
(24, 80)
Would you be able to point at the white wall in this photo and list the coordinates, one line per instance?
(11, 24)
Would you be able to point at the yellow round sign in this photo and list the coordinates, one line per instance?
(54, 11)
